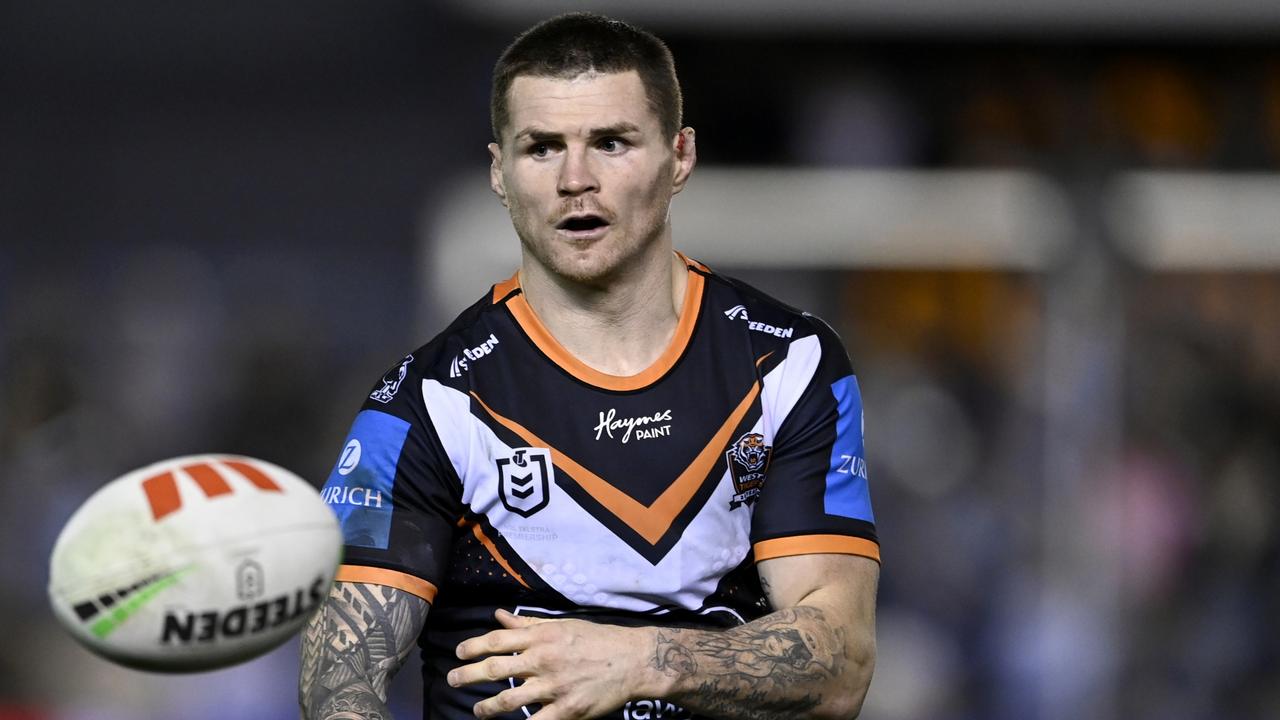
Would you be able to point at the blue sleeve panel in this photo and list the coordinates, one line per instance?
(361, 485)
(847, 493)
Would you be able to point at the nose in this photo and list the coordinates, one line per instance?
(576, 175)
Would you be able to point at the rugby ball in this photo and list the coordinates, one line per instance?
(194, 563)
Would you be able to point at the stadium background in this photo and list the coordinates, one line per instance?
(219, 224)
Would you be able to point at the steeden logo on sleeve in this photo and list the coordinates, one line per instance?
(739, 312)
(462, 363)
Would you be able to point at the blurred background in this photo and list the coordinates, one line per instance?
(1048, 232)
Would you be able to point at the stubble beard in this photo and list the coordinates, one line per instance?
(611, 255)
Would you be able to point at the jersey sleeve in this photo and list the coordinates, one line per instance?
(396, 495)
(815, 497)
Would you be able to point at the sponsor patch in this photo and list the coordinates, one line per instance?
(350, 457)
(640, 428)
(359, 488)
(748, 459)
(847, 493)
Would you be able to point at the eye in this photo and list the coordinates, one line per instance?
(539, 150)
(612, 144)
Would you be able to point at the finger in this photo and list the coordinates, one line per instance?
(556, 711)
(510, 700)
(492, 643)
(512, 621)
(494, 667)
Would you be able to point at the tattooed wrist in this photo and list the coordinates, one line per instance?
(355, 703)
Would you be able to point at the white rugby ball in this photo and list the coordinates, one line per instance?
(194, 563)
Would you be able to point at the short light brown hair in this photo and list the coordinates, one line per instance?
(574, 43)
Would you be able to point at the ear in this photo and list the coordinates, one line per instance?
(686, 153)
(495, 173)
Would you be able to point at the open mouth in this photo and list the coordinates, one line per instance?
(582, 223)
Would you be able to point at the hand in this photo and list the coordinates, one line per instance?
(573, 668)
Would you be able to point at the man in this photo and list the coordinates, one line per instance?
(623, 485)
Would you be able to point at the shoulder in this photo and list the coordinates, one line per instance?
(444, 359)
(769, 323)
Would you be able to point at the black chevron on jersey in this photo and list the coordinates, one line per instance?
(651, 529)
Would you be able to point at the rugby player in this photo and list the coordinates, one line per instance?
(620, 485)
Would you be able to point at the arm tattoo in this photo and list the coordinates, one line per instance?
(351, 648)
(776, 665)
(766, 587)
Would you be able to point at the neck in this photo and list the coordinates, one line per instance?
(619, 327)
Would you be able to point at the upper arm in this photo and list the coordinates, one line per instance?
(397, 497)
(395, 490)
(832, 598)
(841, 590)
(847, 582)
(815, 499)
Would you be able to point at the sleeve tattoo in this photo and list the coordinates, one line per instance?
(352, 647)
(765, 669)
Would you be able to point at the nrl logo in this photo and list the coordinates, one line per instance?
(748, 458)
(524, 480)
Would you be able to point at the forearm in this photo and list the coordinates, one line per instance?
(799, 662)
(352, 647)
(358, 700)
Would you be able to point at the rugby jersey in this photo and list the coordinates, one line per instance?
(490, 468)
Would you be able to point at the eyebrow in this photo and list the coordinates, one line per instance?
(540, 135)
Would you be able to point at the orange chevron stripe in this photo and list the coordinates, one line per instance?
(493, 549)
(651, 521)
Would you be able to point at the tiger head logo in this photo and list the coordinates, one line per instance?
(750, 452)
(747, 458)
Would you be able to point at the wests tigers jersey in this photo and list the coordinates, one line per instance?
(490, 468)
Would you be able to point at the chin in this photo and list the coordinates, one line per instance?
(594, 264)
(590, 265)
(590, 270)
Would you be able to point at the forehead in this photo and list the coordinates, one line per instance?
(580, 103)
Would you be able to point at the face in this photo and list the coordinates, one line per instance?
(587, 174)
